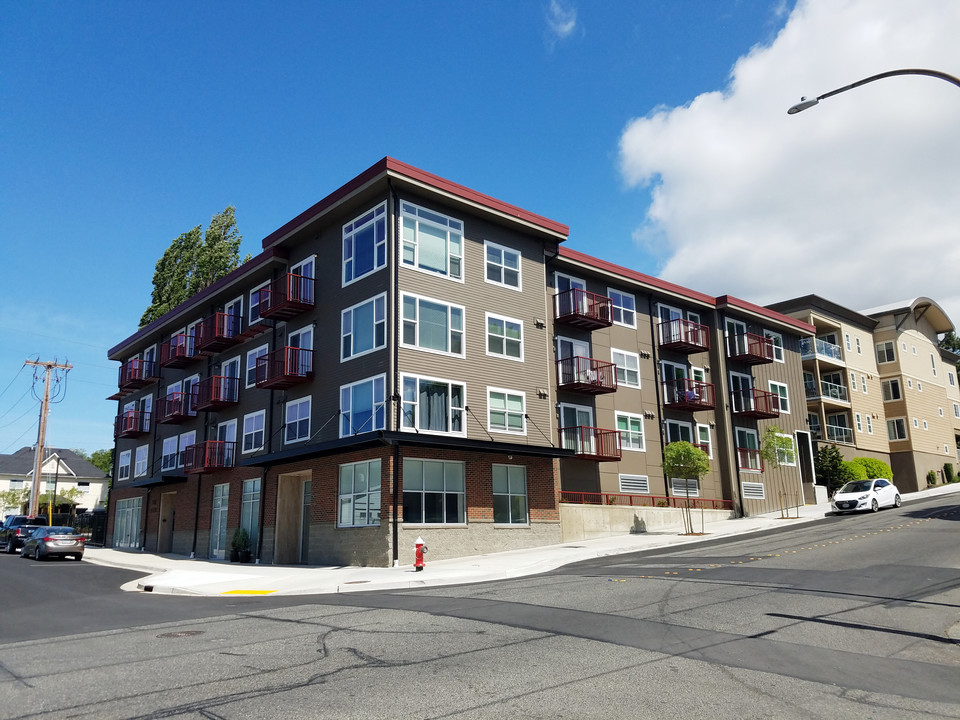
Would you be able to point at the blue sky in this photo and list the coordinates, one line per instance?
(123, 124)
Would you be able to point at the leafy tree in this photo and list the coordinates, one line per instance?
(100, 459)
(193, 262)
(776, 447)
(684, 460)
(874, 468)
(13, 499)
(850, 471)
(828, 465)
(950, 341)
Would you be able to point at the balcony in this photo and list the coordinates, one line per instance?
(750, 349)
(218, 332)
(839, 434)
(137, 373)
(284, 367)
(179, 351)
(209, 456)
(582, 309)
(586, 375)
(591, 443)
(684, 336)
(748, 459)
(175, 408)
(131, 424)
(815, 348)
(828, 392)
(215, 392)
(689, 395)
(754, 403)
(287, 296)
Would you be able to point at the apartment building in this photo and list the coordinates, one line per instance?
(878, 385)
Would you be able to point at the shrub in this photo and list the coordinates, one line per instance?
(932, 477)
(874, 468)
(850, 471)
(948, 475)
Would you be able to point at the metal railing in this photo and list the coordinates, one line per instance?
(815, 346)
(629, 500)
(839, 434)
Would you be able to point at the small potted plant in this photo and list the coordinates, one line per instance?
(240, 546)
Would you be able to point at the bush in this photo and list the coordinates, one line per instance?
(850, 471)
(874, 468)
(948, 475)
(932, 477)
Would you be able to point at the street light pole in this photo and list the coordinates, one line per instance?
(804, 103)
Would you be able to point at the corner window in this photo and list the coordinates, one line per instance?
(433, 405)
(624, 308)
(505, 411)
(432, 325)
(509, 494)
(780, 390)
(504, 337)
(359, 496)
(434, 492)
(628, 367)
(886, 352)
(891, 390)
(677, 431)
(297, 420)
(253, 429)
(777, 340)
(897, 429)
(432, 242)
(365, 244)
(363, 406)
(630, 427)
(123, 467)
(502, 265)
(363, 328)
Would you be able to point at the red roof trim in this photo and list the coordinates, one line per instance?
(731, 301)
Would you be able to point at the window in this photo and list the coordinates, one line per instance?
(123, 467)
(126, 524)
(628, 367)
(505, 410)
(748, 450)
(853, 381)
(859, 351)
(255, 302)
(297, 421)
(863, 384)
(359, 504)
(919, 386)
(753, 491)
(365, 244)
(363, 406)
(252, 364)
(16, 484)
(299, 361)
(787, 455)
(869, 425)
(909, 384)
(624, 308)
(503, 265)
(777, 340)
(897, 429)
(250, 511)
(847, 339)
(233, 310)
(432, 242)
(504, 337)
(432, 325)
(704, 441)
(859, 422)
(630, 427)
(140, 463)
(509, 494)
(885, 352)
(951, 378)
(914, 348)
(891, 390)
(956, 410)
(253, 431)
(168, 457)
(363, 328)
(677, 431)
(933, 364)
(433, 492)
(639, 484)
(189, 385)
(433, 405)
(940, 410)
(780, 390)
(684, 487)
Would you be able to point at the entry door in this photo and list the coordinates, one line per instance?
(567, 348)
(168, 504)
(218, 521)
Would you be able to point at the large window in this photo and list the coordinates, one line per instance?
(362, 406)
(250, 511)
(504, 337)
(509, 494)
(506, 411)
(502, 266)
(624, 308)
(780, 390)
(255, 302)
(253, 431)
(787, 455)
(433, 405)
(777, 340)
(891, 390)
(297, 426)
(363, 328)
(123, 467)
(126, 524)
(434, 492)
(359, 494)
(168, 458)
(677, 431)
(432, 242)
(432, 325)
(628, 367)
(252, 364)
(886, 352)
(631, 431)
(897, 428)
(140, 463)
(365, 244)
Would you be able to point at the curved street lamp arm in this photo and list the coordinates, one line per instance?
(804, 103)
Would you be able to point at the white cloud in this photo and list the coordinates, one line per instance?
(854, 199)
(561, 21)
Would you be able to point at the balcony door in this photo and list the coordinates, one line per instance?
(741, 387)
(568, 302)
(227, 434)
(572, 371)
(674, 387)
(300, 363)
(748, 441)
(577, 422)
(301, 290)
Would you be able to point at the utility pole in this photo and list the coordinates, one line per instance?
(42, 431)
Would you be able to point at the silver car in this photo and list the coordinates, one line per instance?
(53, 540)
(859, 495)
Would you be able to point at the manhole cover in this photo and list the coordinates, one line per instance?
(181, 633)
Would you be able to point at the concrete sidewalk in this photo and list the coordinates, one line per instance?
(179, 575)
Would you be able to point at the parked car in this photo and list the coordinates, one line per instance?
(53, 540)
(15, 530)
(859, 495)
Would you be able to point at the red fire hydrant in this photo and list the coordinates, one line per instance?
(420, 550)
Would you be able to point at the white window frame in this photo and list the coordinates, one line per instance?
(777, 338)
(350, 499)
(376, 220)
(791, 459)
(680, 425)
(858, 421)
(618, 306)
(703, 432)
(504, 338)
(252, 432)
(411, 419)
(903, 423)
(287, 407)
(887, 347)
(507, 412)
(185, 440)
(169, 453)
(628, 434)
(952, 378)
(869, 424)
(886, 388)
(123, 466)
(859, 350)
(846, 337)
(251, 370)
(348, 327)
(254, 306)
(753, 490)
(782, 398)
(634, 484)
(853, 382)
(863, 384)
(623, 368)
(933, 363)
(502, 265)
(956, 410)
(455, 269)
(378, 415)
(452, 332)
(515, 477)
(682, 488)
(140, 460)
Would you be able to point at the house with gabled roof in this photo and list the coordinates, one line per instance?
(62, 470)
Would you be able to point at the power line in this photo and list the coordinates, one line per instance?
(14, 379)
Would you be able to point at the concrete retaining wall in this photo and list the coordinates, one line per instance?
(584, 522)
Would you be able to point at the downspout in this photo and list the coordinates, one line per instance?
(196, 517)
(393, 252)
(654, 339)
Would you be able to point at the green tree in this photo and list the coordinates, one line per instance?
(193, 262)
(776, 447)
(951, 342)
(684, 460)
(828, 465)
(13, 499)
(100, 459)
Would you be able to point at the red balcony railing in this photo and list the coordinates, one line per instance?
(209, 456)
(684, 336)
(691, 395)
(175, 408)
(137, 373)
(591, 443)
(753, 403)
(179, 351)
(748, 459)
(218, 332)
(750, 349)
(629, 500)
(284, 367)
(287, 296)
(582, 309)
(131, 423)
(216, 392)
(586, 375)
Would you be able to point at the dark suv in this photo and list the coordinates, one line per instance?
(16, 529)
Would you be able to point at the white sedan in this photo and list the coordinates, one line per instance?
(866, 495)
